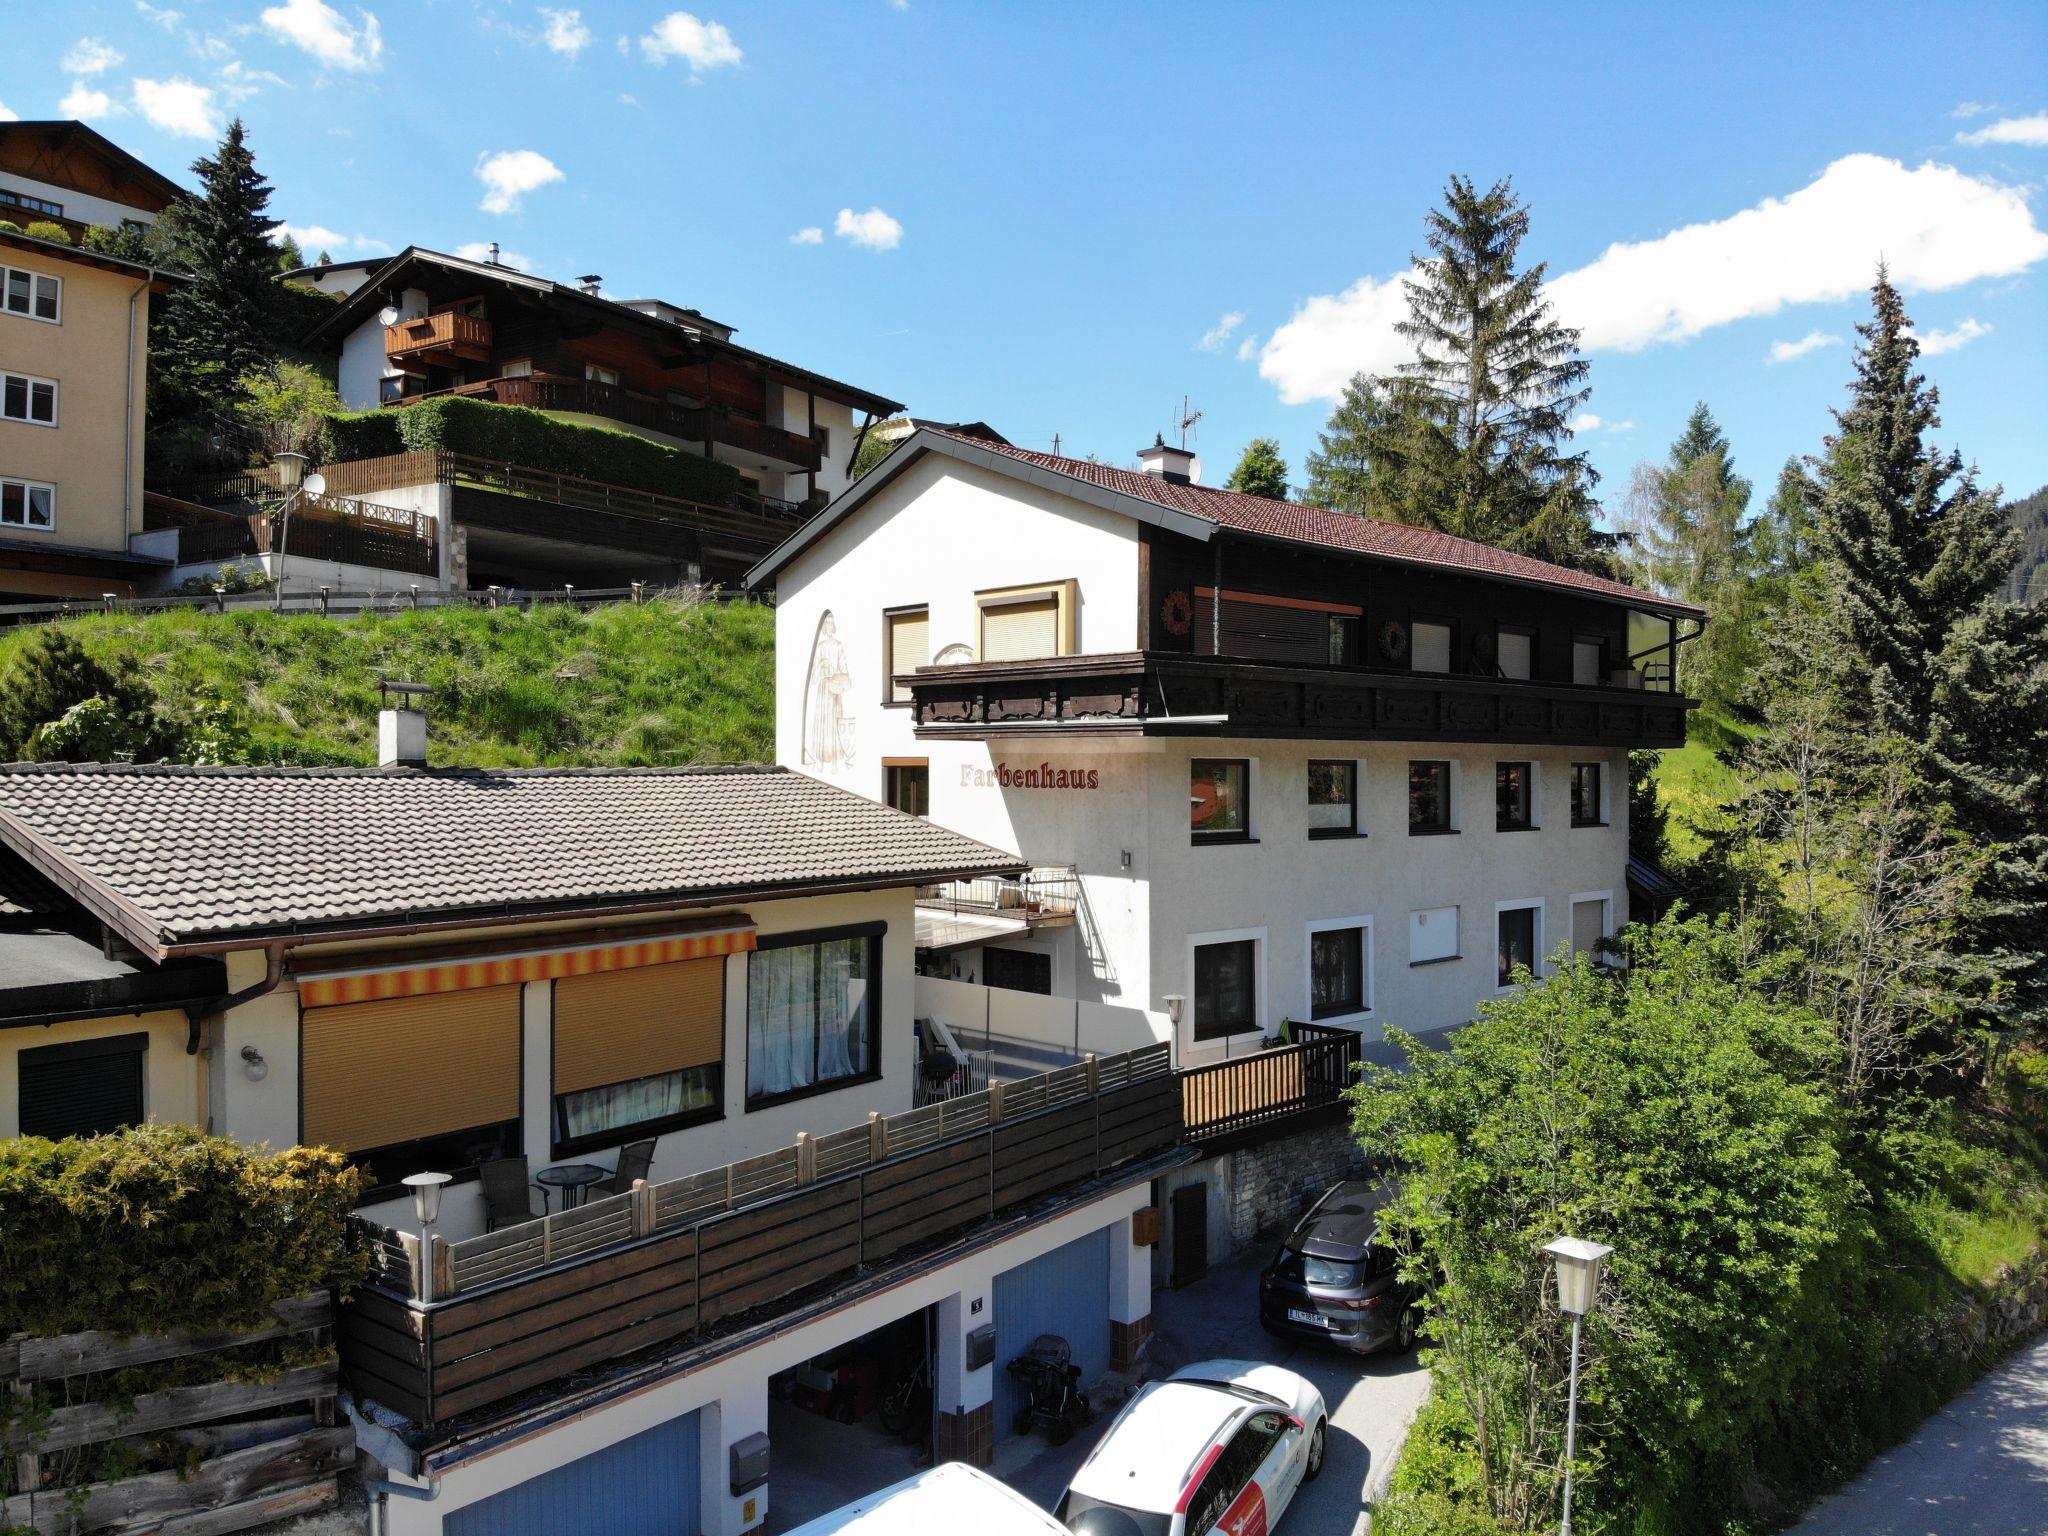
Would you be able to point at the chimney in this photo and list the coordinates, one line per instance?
(1175, 464)
(589, 283)
(492, 258)
(402, 724)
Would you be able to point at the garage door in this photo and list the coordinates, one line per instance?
(645, 1486)
(1064, 1292)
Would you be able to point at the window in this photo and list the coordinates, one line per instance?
(1429, 647)
(1514, 653)
(33, 294)
(906, 646)
(596, 375)
(1344, 639)
(1270, 628)
(1589, 923)
(1219, 808)
(1018, 970)
(23, 398)
(1429, 798)
(27, 504)
(404, 1084)
(637, 1052)
(1336, 972)
(32, 204)
(1514, 800)
(1026, 623)
(1332, 798)
(1589, 661)
(1226, 989)
(1519, 932)
(1432, 935)
(517, 368)
(908, 784)
(814, 1012)
(1587, 809)
(824, 434)
(85, 1088)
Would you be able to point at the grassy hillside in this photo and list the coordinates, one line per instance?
(1693, 783)
(658, 682)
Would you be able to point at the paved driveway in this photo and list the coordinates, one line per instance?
(1978, 1467)
(1371, 1400)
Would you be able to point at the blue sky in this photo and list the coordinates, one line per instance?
(1036, 214)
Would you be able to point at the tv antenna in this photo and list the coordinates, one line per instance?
(1187, 419)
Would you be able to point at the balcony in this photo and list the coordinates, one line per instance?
(444, 341)
(1153, 693)
(1238, 1100)
(669, 1267)
(1045, 897)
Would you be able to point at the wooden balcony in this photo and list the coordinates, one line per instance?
(1247, 1096)
(1154, 693)
(444, 340)
(672, 1265)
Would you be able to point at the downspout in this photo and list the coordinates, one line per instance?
(381, 1488)
(128, 418)
(197, 1012)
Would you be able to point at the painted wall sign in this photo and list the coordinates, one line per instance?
(1035, 776)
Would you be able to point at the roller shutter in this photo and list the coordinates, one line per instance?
(1065, 1292)
(406, 1068)
(646, 1485)
(1022, 631)
(83, 1088)
(910, 647)
(621, 1025)
(1266, 631)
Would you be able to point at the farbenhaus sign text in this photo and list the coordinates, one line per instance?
(1038, 776)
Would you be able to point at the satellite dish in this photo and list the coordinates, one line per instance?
(1195, 470)
(314, 485)
(388, 315)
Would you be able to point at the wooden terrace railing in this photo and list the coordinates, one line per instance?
(1266, 1086)
(465, 335)
(517, 1308)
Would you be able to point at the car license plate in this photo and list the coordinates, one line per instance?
(1296, 1315)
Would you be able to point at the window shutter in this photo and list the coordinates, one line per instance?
(1022, 631)
(82, 1089)
(910, 647)
(621, 1025)
(405, 1068)
(1515, 654)
(1589, 920)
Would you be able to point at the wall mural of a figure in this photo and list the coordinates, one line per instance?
(828, 692)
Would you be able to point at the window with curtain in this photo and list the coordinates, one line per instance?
(1516, 948)
(814, 1011)
(1336, 972)
(1226, 983)
(637, 1052)
(1429, 797)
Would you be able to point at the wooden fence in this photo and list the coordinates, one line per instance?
(527, 1304)
(250, 1470)
(1230, 1096)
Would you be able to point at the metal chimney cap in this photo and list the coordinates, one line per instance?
(386, 687)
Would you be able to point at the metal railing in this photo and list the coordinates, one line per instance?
(1050, 893)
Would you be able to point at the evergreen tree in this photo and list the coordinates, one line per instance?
(1260, 470)
(1478, 445)
(1781, 542)
(289, 257)
(1340, 470)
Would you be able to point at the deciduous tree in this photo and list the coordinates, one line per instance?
(1260, 470)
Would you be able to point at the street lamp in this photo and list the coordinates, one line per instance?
(295, 482)
(426, 1204)
(1578, 1291)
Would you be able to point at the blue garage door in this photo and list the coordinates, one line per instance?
(645, 1486)
(1064, 1292)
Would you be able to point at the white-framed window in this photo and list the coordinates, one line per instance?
(24, 397)
(1432, 796)
(1334, 803)
(1589, 794)
(1226, 997)
(1220, 794)
(1592, 919)
(1432, 935)
(28, 504)
(1339, 969)
(1517, 796)
(32, 295)
(1518, 939)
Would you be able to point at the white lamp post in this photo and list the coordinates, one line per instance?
(1578, 1291)
(426, 1204)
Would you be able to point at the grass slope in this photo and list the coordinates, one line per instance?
(652, 683)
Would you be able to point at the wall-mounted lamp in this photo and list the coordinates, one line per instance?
(1174, 1004)
(254, 1067)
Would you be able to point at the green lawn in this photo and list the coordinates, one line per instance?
(1694, 784)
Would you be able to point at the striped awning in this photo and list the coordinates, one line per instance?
(391, 977)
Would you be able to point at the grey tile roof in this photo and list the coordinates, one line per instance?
(23, 892)
(176, 856)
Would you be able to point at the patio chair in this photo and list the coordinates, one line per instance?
(635, 1158)
(508, 1197)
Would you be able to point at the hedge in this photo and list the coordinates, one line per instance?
(163, 1226)
(515, 434)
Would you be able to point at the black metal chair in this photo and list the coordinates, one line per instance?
(508, 1197)
(635, 1158)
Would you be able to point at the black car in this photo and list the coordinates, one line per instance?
(1334, 1283)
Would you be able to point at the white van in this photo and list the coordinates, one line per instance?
(951, 1497)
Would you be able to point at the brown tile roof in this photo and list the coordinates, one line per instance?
(1326, 529)
(176, 856)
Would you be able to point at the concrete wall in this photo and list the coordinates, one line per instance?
(1256, 1193)
(170, 1079)
(1063, 1023)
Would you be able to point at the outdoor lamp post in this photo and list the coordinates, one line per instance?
(295, 482)
(1578, 1265)
(426, 1204)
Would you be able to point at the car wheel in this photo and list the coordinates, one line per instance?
(1404, 1332)
(1316, 1447)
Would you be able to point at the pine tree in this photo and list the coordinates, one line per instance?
(289, 257)
(1477, 447)
(1260, 470)
(1340, 470)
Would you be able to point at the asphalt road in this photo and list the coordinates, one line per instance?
(1978, 1467)
(1371, 1400)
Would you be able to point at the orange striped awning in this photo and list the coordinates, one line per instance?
(385, 979)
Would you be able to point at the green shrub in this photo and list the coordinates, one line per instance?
(43, 229)
(300, 307)
(50, 674)
(162, 1226)
(1436, 1488)
(360, 435)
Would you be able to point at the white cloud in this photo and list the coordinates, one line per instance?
(1248, 348)
(1936, 227)
(315, 238)
(810, 234)
(628, 99)
(478, 250)
(317, 28)
(8, 114)
(1972, 109)
(2030, 131)
(565, 32)
(899, 5)
(238, 82)
(162, 17)
(179, 106)
(85, 102)
(873, 230)
(510, 174)
(88, 56)
(1218, 335)
(679, 35)
(1934, 343)
(1812, 341)
(1585, 421)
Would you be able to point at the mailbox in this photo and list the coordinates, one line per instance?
(981, 1346)
(749, 1462)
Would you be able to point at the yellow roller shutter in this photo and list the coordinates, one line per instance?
(622, 1025)
(402, 1068)
(910, 647)
(1020, 631)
